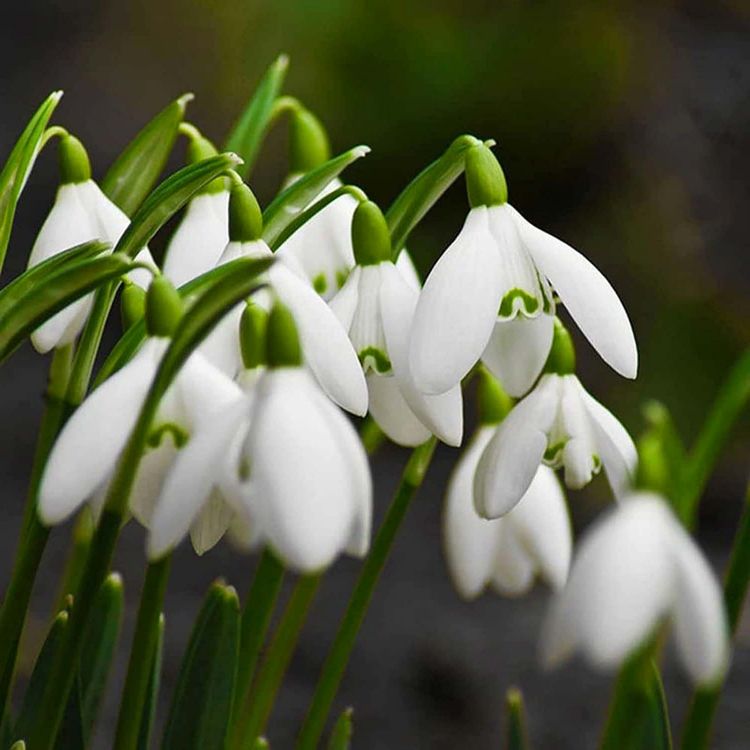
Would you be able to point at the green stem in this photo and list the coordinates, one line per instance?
(81, 535)
(145, 641)
(256, 617)
(697, 728)
(277, 659)
(338, 656)
(33, 537)
(371, 435)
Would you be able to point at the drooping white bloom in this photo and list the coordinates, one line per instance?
(200, 239)
(86, 452)
(376, 306)
(327, 350)
(501, 271)
(560, 424)
(81, 213)
(635, 568)
(509, 552)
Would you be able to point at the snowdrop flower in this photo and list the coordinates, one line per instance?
(376, 306)
(86, 452)
(327, 350)
(490, 296)
(506, 553)
(635, 568)
(558, 423)
(307, 487)
(81, 212)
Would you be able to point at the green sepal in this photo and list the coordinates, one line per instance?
(202, 701)
(164, 307)
(562, 355)
(130, 179)
(298, 196)
(485, 180)
(248, 133)
(17, 168)
(493, 403)
(245, 216)
(55, 293)
(102, 633)
(516, 732)
(148, 714)
(75, 166)
(370, 237)
(282, 340)
(418, 197)
(341, 736)
(253, 336)
(308, 141)
(132, 304)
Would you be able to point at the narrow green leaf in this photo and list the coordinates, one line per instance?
(16, 290)
(99, 644)
(137, 168)
(247, 135)
(20, 162)
(416, 199)
(55, 293)
(152, 695)
(20, 745)
(40, 675)
(341, 737)
(517, 734)
(71, 734)
(202, 702)
(298, 196)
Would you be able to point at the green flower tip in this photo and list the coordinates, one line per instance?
(245, 216)
(253, 325)
(200, 148)
(493, 403)
(485, 180)
(74, 161)
(132, 305)
(308, 141)
(20, 745)
(371, 239)
(163, 308)
(113, 582)
(562, 355)
(282, 341)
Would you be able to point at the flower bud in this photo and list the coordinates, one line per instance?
(253, 335)
(308, 141)
(163, 308)
(371, 239)
(493, 403)
(245, 217)
(132, 305)
(75, 166)
(562, 355)
(282, 340)
(485, 180)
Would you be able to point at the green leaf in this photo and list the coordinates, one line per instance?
(170, 197)
(298, 196)
(152, 694)
(517, 735)
(55, 293)
(16, 290)
(20, 162)
(99, 644)
(416, 199)
(20, 745)
(40, 675)
(202, 702)
(247, 135)
(341, 737)
(135, 171)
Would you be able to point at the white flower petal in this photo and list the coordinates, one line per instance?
(344, 303)
(88, 446)
(152, 470)
(211, 525)
(588, 296)
(393, 415)
(579, 451)
(513, 569)
(517, 351)
(222, 346)
(325, 344)
(511, 459)
(457, 308)
(408, 270)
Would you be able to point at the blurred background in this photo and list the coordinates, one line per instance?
(623, 127)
